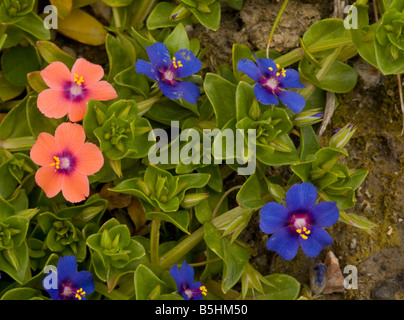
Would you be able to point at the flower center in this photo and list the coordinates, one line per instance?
(80, 293)
(272, 83)
(299, 223)
(191, 293)
(75, 91)
(63, 163)
(67, 291)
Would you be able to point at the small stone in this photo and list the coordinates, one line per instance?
(384, 290)
(400, 220)
(389, 230)
(353, 244)
(317, 278)
(333, 276)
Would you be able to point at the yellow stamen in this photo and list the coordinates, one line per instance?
(77, 79)
(271, 69)
(177, 64)
(203, 290)
(283, 73)
(278, 74)
(298, 230)
(303, 236)
(56, 163)
(80, 293)
(278, 66)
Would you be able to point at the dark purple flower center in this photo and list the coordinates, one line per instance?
(168, 75)
(193, 293)
(64, 163)
(68, 292)
(75, 91)
(300, 223)
(272, 82)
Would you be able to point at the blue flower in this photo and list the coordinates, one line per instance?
(167, 71)
(186, 286)
(301, 222)
(71, 285)
(272, 82)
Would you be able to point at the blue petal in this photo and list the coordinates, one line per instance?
(159, 56)
(146, 68)
(84, 280)
(316, 241)
(324, 214)
(250, 69)
(175, 273)
(265, 96)
(182, 89)
(285, 243)
(274, 216)
(190, 63)
(265, 65)
(301, 197)
(186, 275)
(293, 100)
(67, 268)
(291, 80)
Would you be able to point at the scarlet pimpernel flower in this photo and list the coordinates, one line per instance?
(301, 222)
(71, 285)
(167, 71)
(66, 161)
(70, 91)
(271, 82)
(186, 286)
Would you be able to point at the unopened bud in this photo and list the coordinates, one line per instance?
(255, 111)
(276, 191)
(279, 145)
(341, 137)
(192, 199)
(308, 118)
(179, 13)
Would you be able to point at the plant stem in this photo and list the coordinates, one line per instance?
(146, 105)
(155, 241)
(278, 18)
(219, 203)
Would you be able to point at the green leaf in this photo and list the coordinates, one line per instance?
(146, 281)
(221, 94)
(33, 24)
(131, 79)
(21, 294)
(252, 191)
(210, 20)
(283, 287)
(240, 52)
(179, 218)
(20, 253)
(341, 78)
(234, 256)
(50, 52)
(177, 40)
(9, 90)
(17, 62)
(121, 54)
(309, 143)
(15, 124)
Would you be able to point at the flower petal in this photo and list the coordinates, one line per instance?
(70, 136)
(267, 67)
(67, 268)
(293, 100)
(50, 181)
(250, 69)
(90, 72)
(56, 75)
(285, 243)
(75, 187)
(274, 216)
(316, 241)
(182, 89)
(53, 103)
(44, 149)
(301, 197)
(101, 91)
(78, 110)
(159, 56)
(190, 63)
(147, 69)
(83, 280)
(89, 159)
(265, 96)
(324, 214)
(175, 273)
(291, 80)
(186, 275)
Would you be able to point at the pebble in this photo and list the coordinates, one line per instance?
(353, 244)
(333, 276)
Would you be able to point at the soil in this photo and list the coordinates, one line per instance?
(376, 146)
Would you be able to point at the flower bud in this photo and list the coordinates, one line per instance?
(341, 136)
(179, 13)
(255, 111)
(279, 145)
(192, 199)
(308, 118)
(276, 191)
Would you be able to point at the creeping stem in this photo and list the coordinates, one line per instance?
(155, 240)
